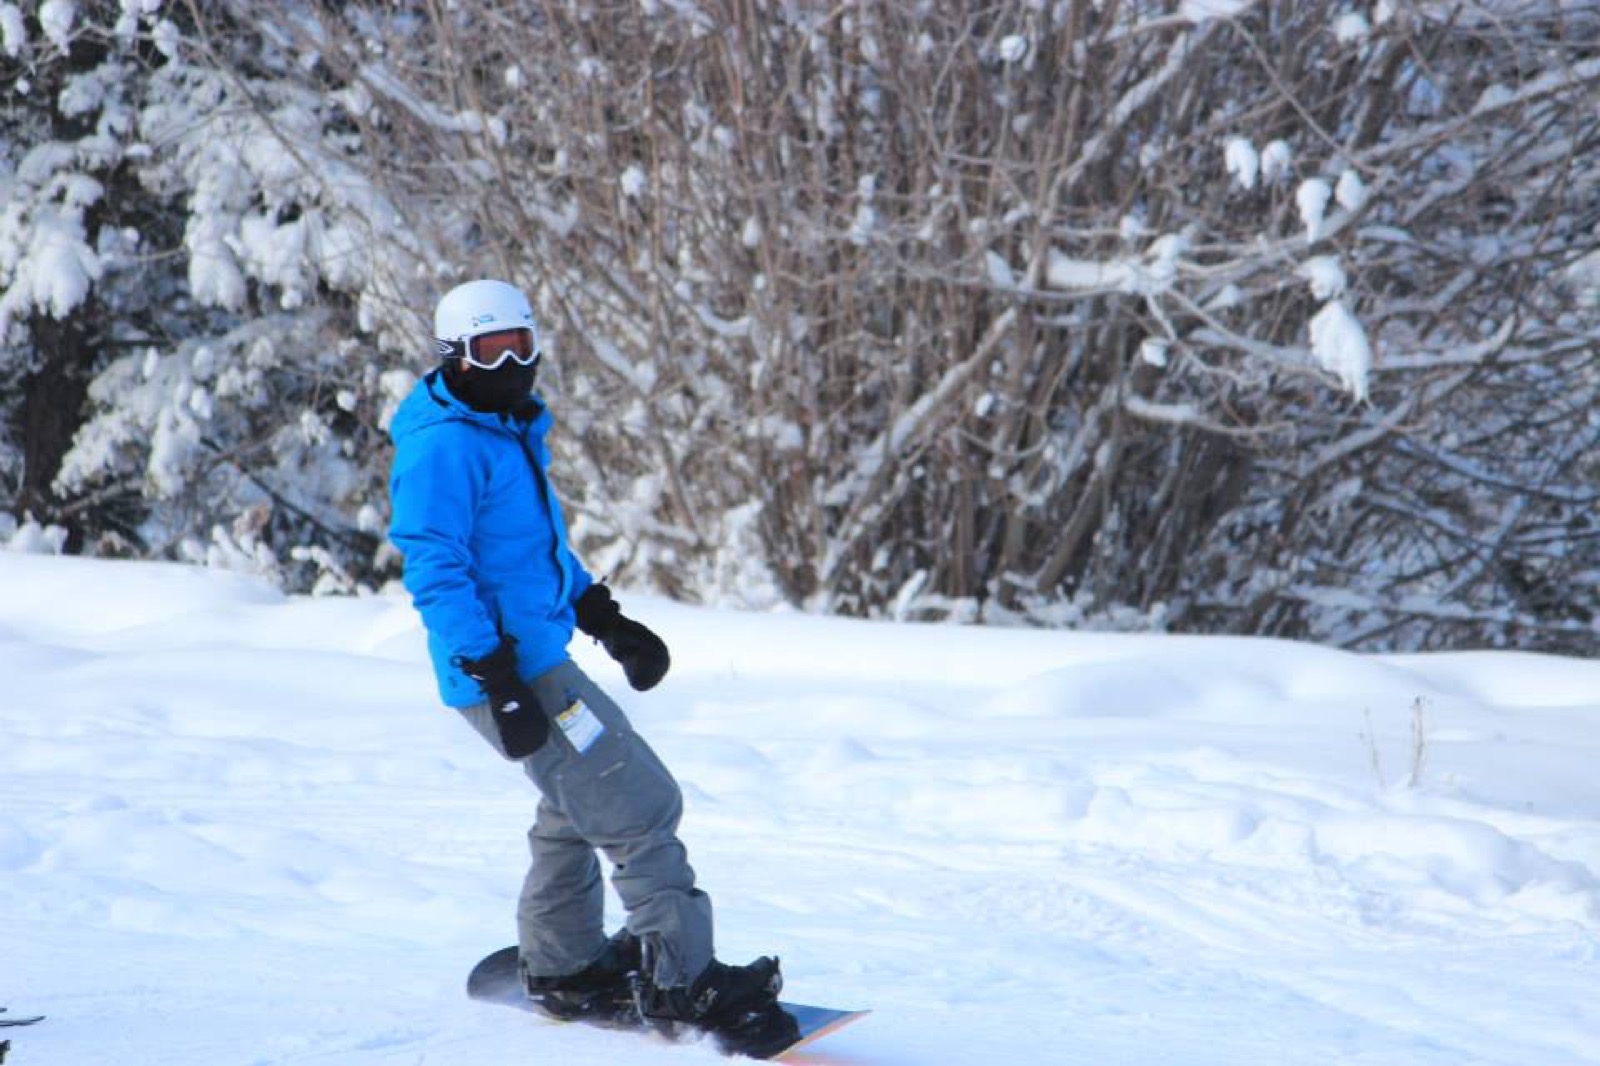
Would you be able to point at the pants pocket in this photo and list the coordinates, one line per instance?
(618, 791)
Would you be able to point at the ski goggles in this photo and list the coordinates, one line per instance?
(489, 351)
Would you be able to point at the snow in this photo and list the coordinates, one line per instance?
(1230, 295)
(1312, 199)
(55, 268)
(1066, 272)
(235, 828)
(866, 216)
(380, 79)
(167, 39)
(1242, 161)
(1326, 276)
(1201, 10)
(55, 19)
(1351, 27)
(1351, 191)
(1276, 159)
(999, 271)
(31, 537)
(633, 182)
(1497, 97)
(13, 33)
(1340, 344)
(175, 440)
(1177, 414)
(1153, 273)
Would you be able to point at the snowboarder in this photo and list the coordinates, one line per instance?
(490, 571)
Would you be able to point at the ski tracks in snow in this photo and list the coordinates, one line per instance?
(1217, 868)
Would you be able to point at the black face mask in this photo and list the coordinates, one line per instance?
(500, 391)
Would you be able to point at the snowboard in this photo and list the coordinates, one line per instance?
(10, 1023)
(496, 979)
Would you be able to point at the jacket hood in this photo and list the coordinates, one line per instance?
(431, 403)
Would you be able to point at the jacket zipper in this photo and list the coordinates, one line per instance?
(551, 508)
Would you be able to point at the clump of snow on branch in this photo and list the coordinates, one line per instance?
(1161, 263)
(1063, 271)
(1340, 346)
(633, 182)
(1242, 161)
(55, 19)
(866, 216)
(1312, 200)
(999, 271)
(1351, 191)
(1326, 276)
(1200, 10)
(1276, 159)
(13, 32)
(47, 266)
(166, 38)
(152, 406)
(1152, 273)
(1351, 27)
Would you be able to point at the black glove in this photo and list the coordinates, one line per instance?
(517, 714)
(643, 655)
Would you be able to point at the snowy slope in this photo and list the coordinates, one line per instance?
(236, 828)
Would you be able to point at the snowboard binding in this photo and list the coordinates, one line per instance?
(755, 1025)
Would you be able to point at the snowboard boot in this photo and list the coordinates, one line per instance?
(737, 1005)
(601, 992)
(720, 997)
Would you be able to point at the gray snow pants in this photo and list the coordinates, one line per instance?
(617, 796)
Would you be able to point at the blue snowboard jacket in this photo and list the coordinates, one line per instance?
(485, 545)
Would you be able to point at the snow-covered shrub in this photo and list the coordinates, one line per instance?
(998, 310)
(1072, 313)
(191, 247)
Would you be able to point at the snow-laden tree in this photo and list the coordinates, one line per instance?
(75, 280)
(187, 245)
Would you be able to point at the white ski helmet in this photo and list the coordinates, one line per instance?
(478, 307)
